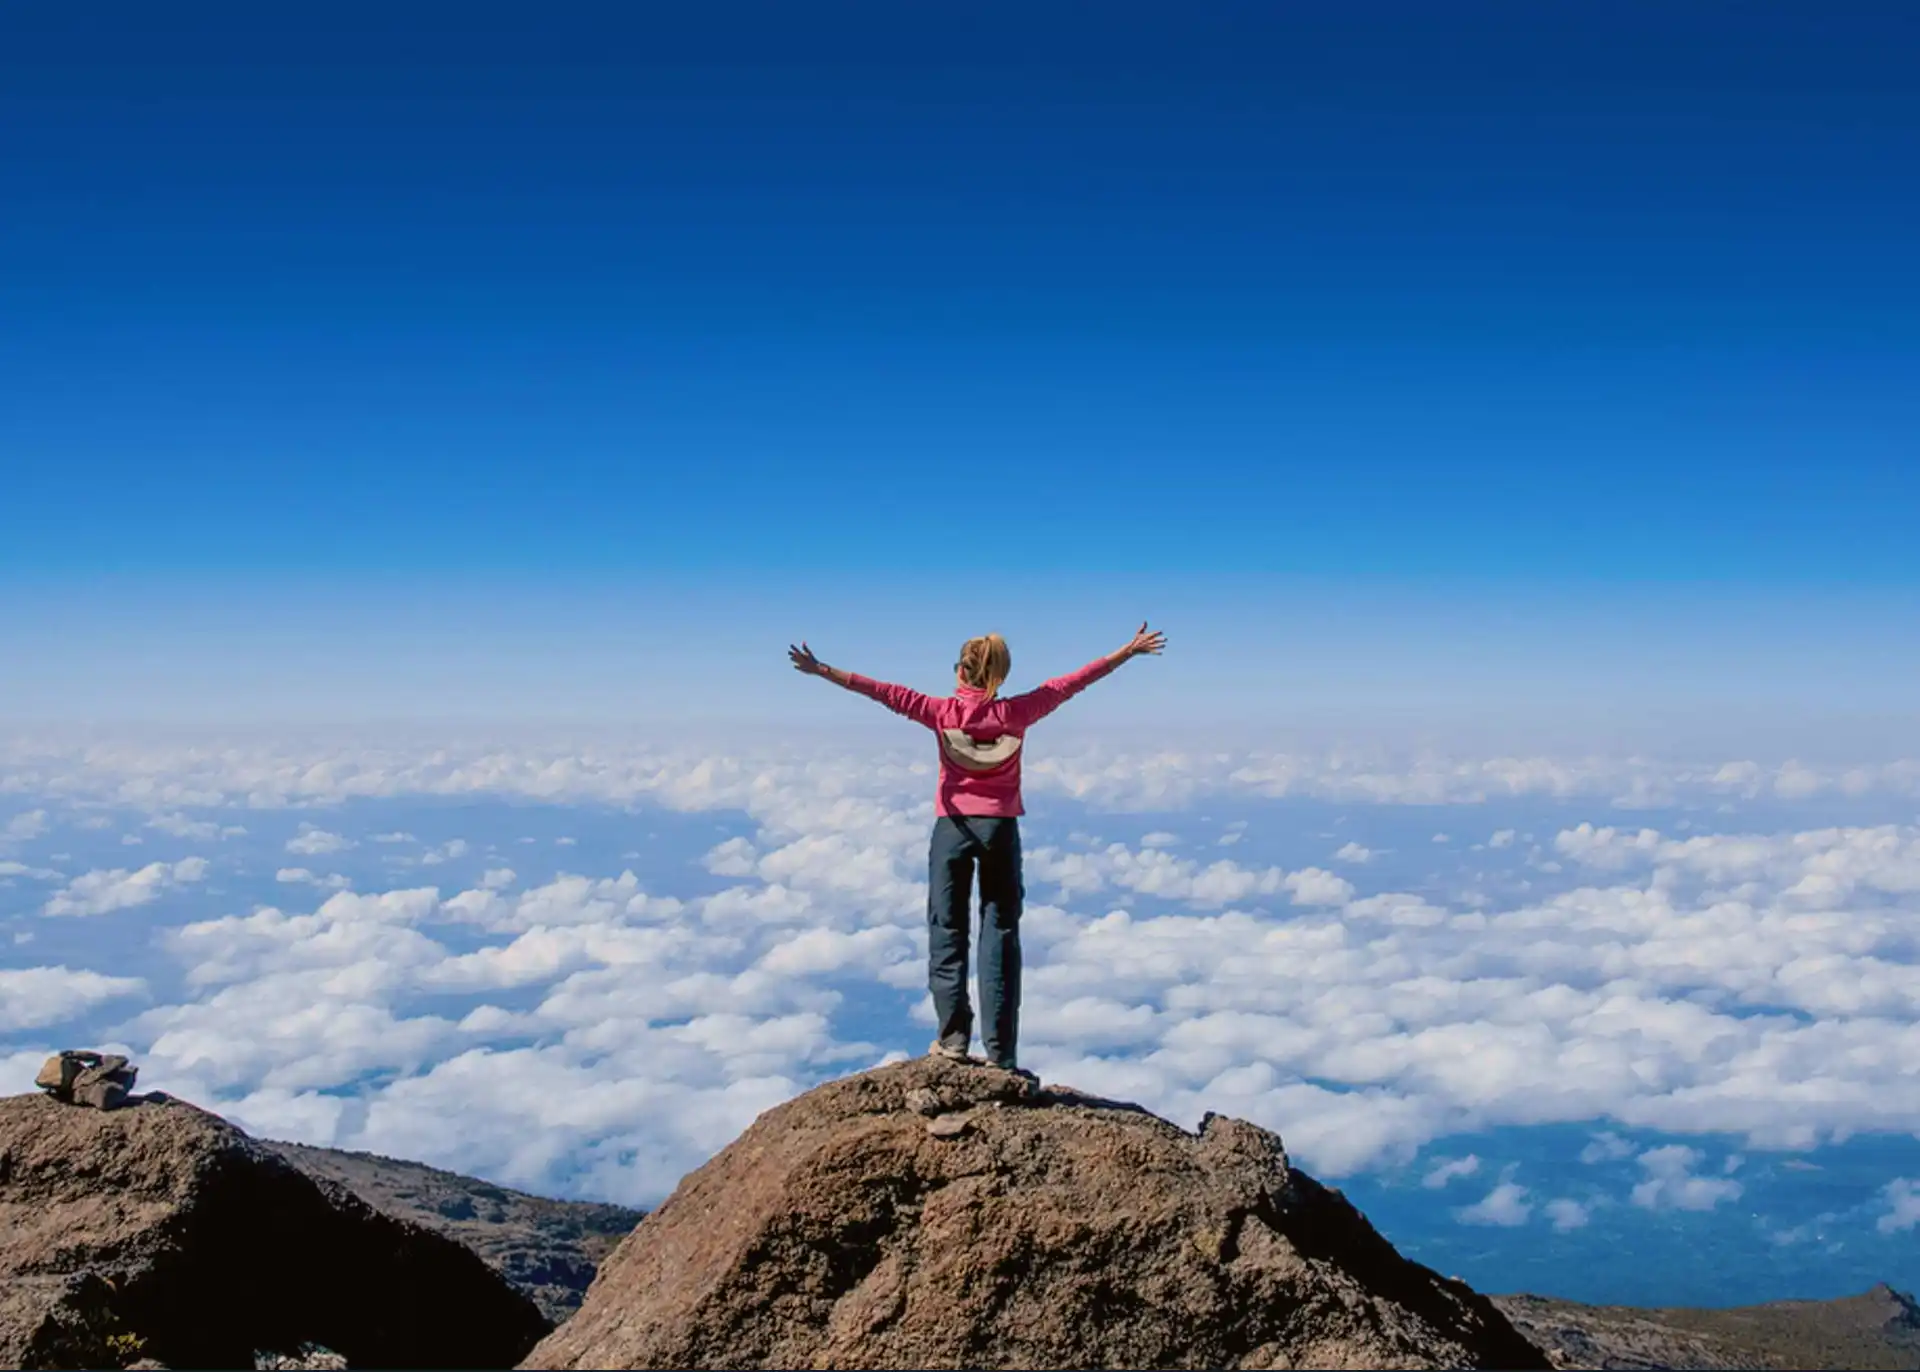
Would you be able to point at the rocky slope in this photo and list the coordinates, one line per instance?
(931, 1214)
(161, 1231)
(548, 1249)
(1878, 1329)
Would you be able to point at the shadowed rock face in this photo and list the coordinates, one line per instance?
(161, 1223)
(934, 1214)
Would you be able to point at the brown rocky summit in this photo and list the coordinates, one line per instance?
(937, 1214)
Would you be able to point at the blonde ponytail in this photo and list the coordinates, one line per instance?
(985, 662)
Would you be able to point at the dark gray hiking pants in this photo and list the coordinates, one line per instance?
(960, 843)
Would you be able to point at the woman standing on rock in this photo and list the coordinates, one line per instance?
(977, 808)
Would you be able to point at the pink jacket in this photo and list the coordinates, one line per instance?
(980, 736)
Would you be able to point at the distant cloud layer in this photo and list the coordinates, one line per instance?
(599, 1027)
(169, 777)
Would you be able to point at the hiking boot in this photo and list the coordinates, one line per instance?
(1016, 1070)
(952, 1052)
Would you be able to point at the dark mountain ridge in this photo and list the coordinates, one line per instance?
(1879, 1328)
(549, 1249)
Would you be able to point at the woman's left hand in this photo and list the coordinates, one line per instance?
(805, 661)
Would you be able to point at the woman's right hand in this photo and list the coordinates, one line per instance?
(1145, 642)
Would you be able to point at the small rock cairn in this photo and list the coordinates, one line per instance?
(99, 1081)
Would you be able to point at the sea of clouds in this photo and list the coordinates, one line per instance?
(582, 966)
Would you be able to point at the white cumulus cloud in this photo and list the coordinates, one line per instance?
(1606, 1146)
(1447, 1169)
(313, 841)
(27, 825)
(102, 891)
(1670, 1183)
(1566, 1214)
(1505, 1205)
(301, 876)
(31, 997)
(181, 826)
(1903, 1206)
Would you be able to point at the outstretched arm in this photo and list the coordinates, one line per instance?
(902, 700)
(1037, 704)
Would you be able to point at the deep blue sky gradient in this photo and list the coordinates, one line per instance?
(1514, 291)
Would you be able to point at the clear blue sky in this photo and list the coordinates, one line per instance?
(465, 296)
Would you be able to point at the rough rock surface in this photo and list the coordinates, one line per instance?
(1055, 1230)
(547, 1248)
(1879, 1328)
(160, 1231)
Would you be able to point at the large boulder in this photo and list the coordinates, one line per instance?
(160, 1231)
(938, 1214)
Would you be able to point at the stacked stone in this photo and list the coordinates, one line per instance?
(99, 1081)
